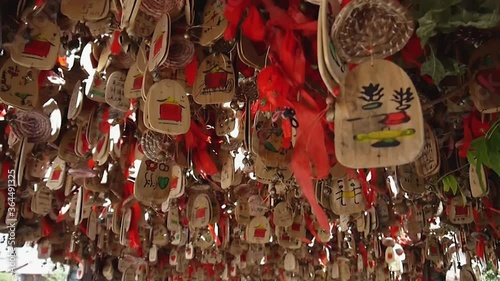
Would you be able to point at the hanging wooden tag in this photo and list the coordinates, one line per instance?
(214, 23)
(168, 108)
(297, 229)
(41, 202)
(92, 225)
(130, 9)
(226, 121)
(459, 212)
(133, 82)
(409, 181)
(160, 44)
(153, 181)
(215, 80)
(323, 71)
(347, 196)
(249, 54)
(200, 211)
(227, 172)
(258, 231)
(378, 117)
(89, 10)
(80, 197)
(160, 235)
(268, 142)
(177, 189)
(427, 164)
(19, 85)
(336, 68)
(114, 93)
(282, 215)
(41, 50)
(67, 147)
(484, 86)
(95, 87)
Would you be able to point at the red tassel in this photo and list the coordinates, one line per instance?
(253, 26)
(115, 47)
(191, 70)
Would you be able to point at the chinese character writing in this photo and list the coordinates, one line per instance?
(372, 94)
(403, 99)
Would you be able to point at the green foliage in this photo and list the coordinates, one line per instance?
(450, 183)
(485, 151)
(438, 70)
(4, 276)
(446, 16)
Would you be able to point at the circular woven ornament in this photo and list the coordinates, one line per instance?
(157, 147)
(180, 53)
(35, 126)
(157, 8)
(371, 29)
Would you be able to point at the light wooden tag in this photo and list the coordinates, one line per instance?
(143, 25)
(226, 121)
(79, 206)
(428, 163)
(128, 275)
(347, 196)
(160, 44)
(52, 110)
(153, 181)
(67, 147)
(289, 262)
(92, 225)
(168, 108)
(282, 215)
(200, 213)
(95, 87)
(57, 174)
(474, 182)
(408, 179)
(242, 212)
(458, 212)
(378, 117)
(130, 9)
(125, 225)
(227, 172)
(268, 142)
(41, 202)
(214, 23)
(323, 71)
(484, 86)
(215, 80)
(133, 82)
(19, 85)
(88, 10)
(336, 68)
(177, 190)
(258, 231)
(298, 229)
(160, 235)
(41, 50)
(44, 250)
(114, 93)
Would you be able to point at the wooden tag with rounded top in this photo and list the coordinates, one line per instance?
(378, 117)
(168, 108)
(336, 68)
(258, 231)
(160, 44)
(214, 23)
(41, 50)
(114, 93)
(133, 82)
(409, 180)
(215, 80)
(19, 85)
(330, 83)
(153, 181)
(95, 87)
(41, 203)
(200, 212)
(57, 174)
(427, 164)
(347, 196)
(88, 10)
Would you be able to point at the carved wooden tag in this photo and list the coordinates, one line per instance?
(214, 23)
(168, 108)
(215, 80)
(41, 50)
(19, 85)
(378, 117)
(114, 93)
(427, 164)
(160, 44)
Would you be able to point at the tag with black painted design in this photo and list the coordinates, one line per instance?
(378, 117)
(19, 85)
(215, 80)
(160, 43)
(213, 22)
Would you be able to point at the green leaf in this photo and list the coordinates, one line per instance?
(434, 68)
(453, 67)
(450, 183)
